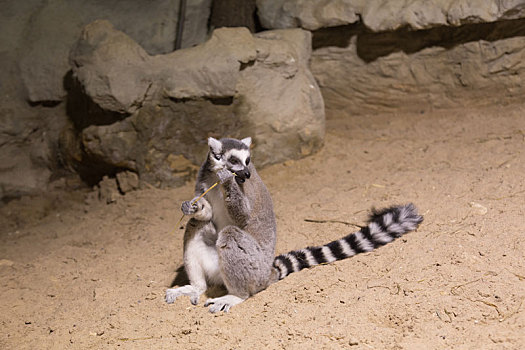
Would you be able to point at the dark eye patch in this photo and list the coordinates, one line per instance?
(234, 160)
(248, 161)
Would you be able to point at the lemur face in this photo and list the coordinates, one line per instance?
(231, 154)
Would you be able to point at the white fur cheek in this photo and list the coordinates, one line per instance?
(237, 168)
(217, 165)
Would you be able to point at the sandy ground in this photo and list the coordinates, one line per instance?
(92, 276)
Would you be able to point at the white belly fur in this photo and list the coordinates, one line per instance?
(205, 256)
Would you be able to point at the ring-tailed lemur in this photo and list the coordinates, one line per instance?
(230, 239)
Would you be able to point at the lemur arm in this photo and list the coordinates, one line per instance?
(236, 202)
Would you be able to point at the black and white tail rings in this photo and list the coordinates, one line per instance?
(383, 227)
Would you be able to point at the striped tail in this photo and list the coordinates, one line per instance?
(383, 227)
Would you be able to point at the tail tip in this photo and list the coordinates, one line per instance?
(406, 214)
(410, 212)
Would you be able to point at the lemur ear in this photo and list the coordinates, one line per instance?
(247, 141)
(215, 145)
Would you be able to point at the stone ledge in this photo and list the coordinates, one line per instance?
(381, 15)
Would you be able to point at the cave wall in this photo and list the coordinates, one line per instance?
(368, 56)
(419, 71)
(36, 37)
(376, 56)
(152, 115)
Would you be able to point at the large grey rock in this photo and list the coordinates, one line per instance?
(26, 133)
(409, 55)
(396, 72)
(27, 149)
(235, 84)
(384, 15)
(308, 14)
(18, 174)
(55, 26)
(35, 39)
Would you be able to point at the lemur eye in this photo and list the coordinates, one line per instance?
(248, 161)
(217, 156)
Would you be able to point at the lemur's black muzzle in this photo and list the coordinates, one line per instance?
(242, 175)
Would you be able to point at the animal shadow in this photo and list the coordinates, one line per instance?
(181, 279)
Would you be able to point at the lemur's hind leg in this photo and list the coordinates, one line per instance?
(244, 268)
(200, 261)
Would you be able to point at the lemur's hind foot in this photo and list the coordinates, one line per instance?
(223, 303)
(173, 293)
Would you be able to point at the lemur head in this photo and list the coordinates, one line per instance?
(231, 154)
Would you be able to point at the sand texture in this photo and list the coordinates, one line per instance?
(79, 274)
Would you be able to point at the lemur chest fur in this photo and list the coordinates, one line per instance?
(221, 218)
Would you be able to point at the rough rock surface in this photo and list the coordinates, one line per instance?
(108, 190)
(308, 14)
(154, 113)
(55, 26)
(35, 39)
(127, 181)
(478, 64)
(409, 55)
(28, 156)
(384, 15)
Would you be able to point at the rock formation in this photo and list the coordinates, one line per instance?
(153, 114)
(411, 55)
(36, 37)
(418, 71)
(384, 15)
(56, 25)
(131, 105)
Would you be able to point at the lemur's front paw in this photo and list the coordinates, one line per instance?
(188, 208)
(224, 175)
